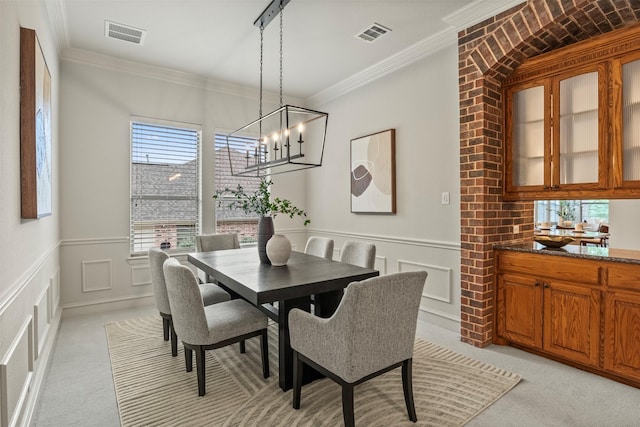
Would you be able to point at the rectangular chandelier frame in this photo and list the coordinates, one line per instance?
(271, 142)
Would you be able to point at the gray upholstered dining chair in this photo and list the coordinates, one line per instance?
(205, 328)
(209, 293)
(215, 242)
(371, 332)
(319, 246)
(358, 253)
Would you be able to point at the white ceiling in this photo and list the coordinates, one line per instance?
(216, 39)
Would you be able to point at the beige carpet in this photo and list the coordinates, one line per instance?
(153, 388)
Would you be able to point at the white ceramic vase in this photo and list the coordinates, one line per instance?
(278, 250)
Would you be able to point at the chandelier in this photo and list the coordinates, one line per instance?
(288, 139)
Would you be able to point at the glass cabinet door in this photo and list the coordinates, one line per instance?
(577, 130)
(631, 121)
(527, 137)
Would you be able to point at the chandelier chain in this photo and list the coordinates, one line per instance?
(281, 18)
(261, 65)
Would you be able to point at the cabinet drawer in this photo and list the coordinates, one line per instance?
(554, 267)
(624, 276)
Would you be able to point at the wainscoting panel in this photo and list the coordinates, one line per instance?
(96, 275)
(439, 283)
(16, 371)
(54, 286)
(140, 275)
(42, 319)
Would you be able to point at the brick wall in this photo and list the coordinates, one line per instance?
(488, 52)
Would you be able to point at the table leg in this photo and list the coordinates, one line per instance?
(326, 303)
(285, 353)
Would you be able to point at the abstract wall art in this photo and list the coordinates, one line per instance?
(373, 173)
(35, 128)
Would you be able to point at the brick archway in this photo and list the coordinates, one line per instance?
(488, 52)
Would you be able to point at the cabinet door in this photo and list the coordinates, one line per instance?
(572, 322)
(622, 332)
(527, 160)
(520, 309)
(626, 123)
(579, 158)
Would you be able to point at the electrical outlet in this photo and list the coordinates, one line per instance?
(445, 197)
(516, 229)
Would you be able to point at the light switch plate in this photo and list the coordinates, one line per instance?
(445, 197)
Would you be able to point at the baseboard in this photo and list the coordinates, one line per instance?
(103, 306)
(443, 320)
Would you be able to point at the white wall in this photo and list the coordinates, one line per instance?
(421, 103)
(29, 258)
(623, 222)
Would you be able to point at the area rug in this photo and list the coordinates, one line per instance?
(153, 388)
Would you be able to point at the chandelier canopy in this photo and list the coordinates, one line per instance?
(288, 139)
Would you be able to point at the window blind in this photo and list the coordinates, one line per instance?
(234, 220)
(164, 186)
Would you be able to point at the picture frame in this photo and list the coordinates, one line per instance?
(35, 128)
(373, 173)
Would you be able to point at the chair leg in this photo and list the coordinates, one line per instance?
(407, 386)
(165, 328)
(188, 358)
(243, 348)
(200, 368)
(297, 380)
(264, 344)
(174, 340)
(347, 405)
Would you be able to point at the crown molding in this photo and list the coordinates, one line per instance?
(112, 63)
(95, 59)
(478, 11)
(57, 14)
(391, 64)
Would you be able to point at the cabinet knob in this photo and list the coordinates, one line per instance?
(555, 187)
(545, 285)
(537, 283)
(546, 187)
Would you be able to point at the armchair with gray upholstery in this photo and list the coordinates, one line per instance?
(209, 293)
(362, 254)
(205, 328)
(215, 242)
(319, 246)
(371, 332)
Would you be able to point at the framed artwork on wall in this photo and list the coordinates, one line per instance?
(35, 128)
(373, 173)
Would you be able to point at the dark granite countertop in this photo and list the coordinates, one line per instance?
(573, 251)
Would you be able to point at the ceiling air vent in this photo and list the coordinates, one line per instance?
(129, 34)
(373, 33)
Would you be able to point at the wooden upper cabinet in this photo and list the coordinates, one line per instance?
(626, 121)
(528, 149)
(572, 121)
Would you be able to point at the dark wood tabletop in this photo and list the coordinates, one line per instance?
(291, 286)
(304, 275)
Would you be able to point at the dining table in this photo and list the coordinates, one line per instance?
(276, 290)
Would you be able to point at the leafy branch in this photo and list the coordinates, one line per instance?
(260, 202)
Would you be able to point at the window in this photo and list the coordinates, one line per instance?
(234, 220)
(165, 190)
(589, 211)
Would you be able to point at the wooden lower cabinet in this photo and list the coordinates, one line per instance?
(559, 318)
(520, 309)
(622, 332)
(571, 322)
(583, 312)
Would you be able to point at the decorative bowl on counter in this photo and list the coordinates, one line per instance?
(553, 241)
